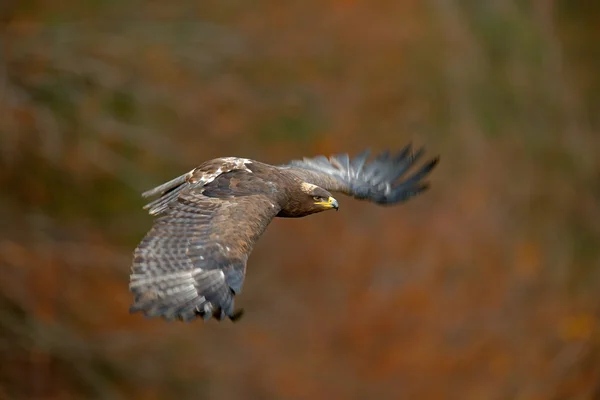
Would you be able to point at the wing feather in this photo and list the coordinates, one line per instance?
(193, 260)
(378, 181)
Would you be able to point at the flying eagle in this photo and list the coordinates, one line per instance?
(193, 261)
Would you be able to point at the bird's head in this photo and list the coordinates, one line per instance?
(317, 199)
(307, 199)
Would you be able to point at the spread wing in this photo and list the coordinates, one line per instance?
(193, 260)
(384, 180)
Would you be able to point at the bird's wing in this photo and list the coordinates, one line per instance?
(384, 180)
(193, 260)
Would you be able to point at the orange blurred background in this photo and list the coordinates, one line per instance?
(485, 287)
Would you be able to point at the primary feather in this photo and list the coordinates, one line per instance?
(377, 180)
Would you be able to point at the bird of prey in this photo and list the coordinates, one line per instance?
(192, 262)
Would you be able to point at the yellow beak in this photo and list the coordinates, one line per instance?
(330, 203)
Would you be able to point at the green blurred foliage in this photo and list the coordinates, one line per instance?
(485, 287)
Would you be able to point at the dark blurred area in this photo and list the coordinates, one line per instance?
(485, 287)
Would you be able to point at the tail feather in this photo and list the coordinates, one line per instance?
(167, 186)
(159, 205)
(168, 192)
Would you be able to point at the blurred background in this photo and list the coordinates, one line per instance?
(485, 287)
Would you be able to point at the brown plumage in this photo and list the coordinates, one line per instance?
(193, 260)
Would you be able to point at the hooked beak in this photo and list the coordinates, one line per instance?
(330, 203)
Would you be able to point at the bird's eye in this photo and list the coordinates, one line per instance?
(317, 198)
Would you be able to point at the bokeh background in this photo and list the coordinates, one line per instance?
(486, 287)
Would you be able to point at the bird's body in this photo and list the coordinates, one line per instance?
(193, 260)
